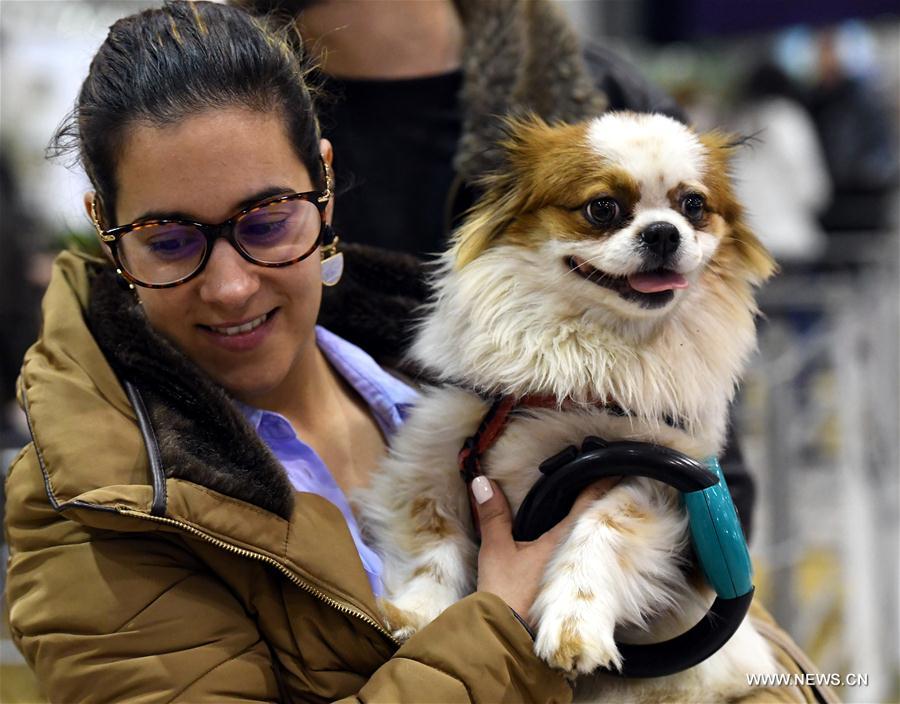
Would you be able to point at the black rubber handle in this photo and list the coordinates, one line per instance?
(568, 473)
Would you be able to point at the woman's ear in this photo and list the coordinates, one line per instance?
(93, 212)
(89, 206)
(327, 152)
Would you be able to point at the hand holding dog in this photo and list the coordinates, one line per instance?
(513, 570)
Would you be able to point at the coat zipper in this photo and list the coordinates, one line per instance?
(305, 586)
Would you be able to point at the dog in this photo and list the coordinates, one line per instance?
(606, 268)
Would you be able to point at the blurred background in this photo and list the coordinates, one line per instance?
(817, 87)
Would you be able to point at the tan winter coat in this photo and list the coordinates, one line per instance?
(189, 579)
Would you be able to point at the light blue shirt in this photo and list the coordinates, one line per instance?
(388, 399)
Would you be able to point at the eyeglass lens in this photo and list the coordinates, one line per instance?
(271, 234)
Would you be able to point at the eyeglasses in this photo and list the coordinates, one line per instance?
(275, 232)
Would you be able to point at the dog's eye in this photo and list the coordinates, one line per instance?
(693, 206)
(601, 212)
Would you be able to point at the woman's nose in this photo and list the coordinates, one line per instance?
(228, 280)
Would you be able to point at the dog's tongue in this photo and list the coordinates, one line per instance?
(656, 281)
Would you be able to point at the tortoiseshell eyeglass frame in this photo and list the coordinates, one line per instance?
(224, 229)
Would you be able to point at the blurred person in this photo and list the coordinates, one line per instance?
(420, 90)
(857, 129)
(781, 176)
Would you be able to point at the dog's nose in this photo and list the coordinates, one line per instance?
(660, 238)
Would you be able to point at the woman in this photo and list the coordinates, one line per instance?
(178, 528)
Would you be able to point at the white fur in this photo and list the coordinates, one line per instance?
(517, 321)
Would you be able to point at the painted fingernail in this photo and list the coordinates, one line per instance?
(481, 489)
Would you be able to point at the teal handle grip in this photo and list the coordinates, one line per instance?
(719, 542)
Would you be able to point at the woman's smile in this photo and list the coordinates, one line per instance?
(241, 336)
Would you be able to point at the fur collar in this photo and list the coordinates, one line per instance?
(518, 57)
(202, 436)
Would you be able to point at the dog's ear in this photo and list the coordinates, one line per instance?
(486, 220)
(505, 192)
(752, 253)
(752, 256)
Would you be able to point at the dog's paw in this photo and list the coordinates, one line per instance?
(399, 623)
(415, 607)
(577, 645)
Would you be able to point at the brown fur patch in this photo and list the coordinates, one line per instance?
(570, 645)
(429, 570)
(569, 568)
(629, 510)
(614, 524)
(394, 618)
(676, 193)
(427, 520)
(584, 594)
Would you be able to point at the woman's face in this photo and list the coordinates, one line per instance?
(205, 168)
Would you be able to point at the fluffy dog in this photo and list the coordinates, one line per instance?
(606, 268)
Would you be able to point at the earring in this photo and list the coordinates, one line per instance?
(95, 217)
(332, 260)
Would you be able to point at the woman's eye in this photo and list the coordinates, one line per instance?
(168, 242)
(602, 212)
(166, 245)
(263, 226)
(693, 206)
(262, 229)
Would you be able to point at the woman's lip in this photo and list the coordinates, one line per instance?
(242, 341)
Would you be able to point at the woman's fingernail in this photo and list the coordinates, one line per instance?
(481, 489)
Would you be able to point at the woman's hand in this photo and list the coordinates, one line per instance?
(513, 570)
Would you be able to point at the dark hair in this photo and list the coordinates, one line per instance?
(162, 65)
